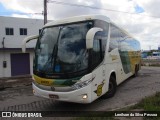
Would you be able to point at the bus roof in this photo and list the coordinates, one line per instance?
(77, 18)
(84, 18)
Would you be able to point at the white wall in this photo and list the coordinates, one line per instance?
(5, 72)
(15, 41)
(5, 56)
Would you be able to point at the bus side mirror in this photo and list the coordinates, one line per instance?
(27, 39)
(90, 36)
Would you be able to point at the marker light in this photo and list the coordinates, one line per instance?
(84, 96)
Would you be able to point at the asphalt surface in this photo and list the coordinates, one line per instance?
(20, 98)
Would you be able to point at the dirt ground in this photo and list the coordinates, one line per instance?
(20, 97)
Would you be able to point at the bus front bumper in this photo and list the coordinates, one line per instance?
(82, 95)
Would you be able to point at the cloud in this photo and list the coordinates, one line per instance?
(26, 6)
(145, 29)
(20, 16)
(61, 10)
(150, 6)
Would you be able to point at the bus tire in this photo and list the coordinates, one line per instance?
(112, 88)
(136, 71)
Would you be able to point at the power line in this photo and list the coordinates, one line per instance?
(20, 13)
(92, 7)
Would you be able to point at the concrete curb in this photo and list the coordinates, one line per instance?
(16, 77)
(129, 105)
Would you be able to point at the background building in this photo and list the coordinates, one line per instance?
(12, 31)
(159, 47)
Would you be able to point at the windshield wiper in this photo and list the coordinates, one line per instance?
(50, 60)
(53, 56)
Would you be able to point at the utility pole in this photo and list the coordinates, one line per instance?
(45, 11)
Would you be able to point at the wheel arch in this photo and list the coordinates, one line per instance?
(113, 73)
(109, 94)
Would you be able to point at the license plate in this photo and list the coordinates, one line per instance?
(53, 96)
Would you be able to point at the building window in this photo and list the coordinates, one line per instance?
(23, 31)
(9, 31)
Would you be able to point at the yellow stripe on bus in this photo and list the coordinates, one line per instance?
(43, 81)
(134, 57)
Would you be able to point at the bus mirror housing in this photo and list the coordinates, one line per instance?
(90, 36)
(27, 39)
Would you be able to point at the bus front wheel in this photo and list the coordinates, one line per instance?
(112, 88)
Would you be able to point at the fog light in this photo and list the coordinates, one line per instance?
(84, 96)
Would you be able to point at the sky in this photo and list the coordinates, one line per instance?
(141, 18)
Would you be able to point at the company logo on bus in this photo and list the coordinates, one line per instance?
(45, 82)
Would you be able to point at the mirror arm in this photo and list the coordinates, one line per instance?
(90, 36)
(26, 40)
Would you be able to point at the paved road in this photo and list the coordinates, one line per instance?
(129, 92)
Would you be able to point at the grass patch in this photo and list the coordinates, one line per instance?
(152, 65)
(148, 104)
(151, 103)
(155, 65)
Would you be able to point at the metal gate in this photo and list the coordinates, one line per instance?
(20, 64)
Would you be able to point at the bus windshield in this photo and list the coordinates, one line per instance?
(62, 49)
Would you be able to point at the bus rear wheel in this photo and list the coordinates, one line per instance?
(112, 88)
(136, 71)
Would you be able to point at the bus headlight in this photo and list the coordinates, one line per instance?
(79, 85)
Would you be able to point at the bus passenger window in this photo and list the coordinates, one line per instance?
(114, 37)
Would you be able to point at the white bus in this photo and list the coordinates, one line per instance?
(80, 59)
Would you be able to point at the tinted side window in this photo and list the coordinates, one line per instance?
(96, 58)
(114, 37)
(100, 41)
(128, 43)
(124, 43)
(104, 35)
(124, 47)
